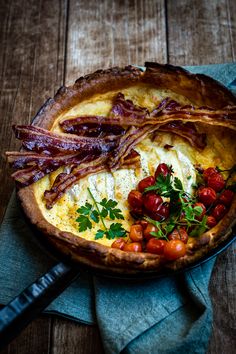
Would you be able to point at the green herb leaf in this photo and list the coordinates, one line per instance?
(200, 229)
(84, 223)
(99, 234)
(109, 209)
(178, 184)
(115, 230)
(95, 216)
(85, 210)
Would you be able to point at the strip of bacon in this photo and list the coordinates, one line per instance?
(44, 141)
(187, 131)
(65, 181)
(126, 108)
(92, 126)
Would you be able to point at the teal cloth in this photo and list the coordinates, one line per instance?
(167, 315)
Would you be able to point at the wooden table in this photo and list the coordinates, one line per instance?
(45, 44)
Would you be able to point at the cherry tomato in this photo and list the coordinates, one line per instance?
(133, 247)
(163, 169)
(146, 182)
(144, 223)
(219, 211)
(136, 233)
(161, 213)
(147, 231)
(208, 172)
(211, 221)
(156, 246)
(152, 201)
(179, 234)
(216, 182)
(201, 205)
(207, 195)
(174, 249)
(135, 199)
(226, 197)
(119, 243)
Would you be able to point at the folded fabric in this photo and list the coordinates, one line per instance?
(166, 315)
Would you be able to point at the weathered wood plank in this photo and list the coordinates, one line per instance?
(32, 41)
(74, 338)
(106, 33)
(31, 68)
(199, 32)
(35, 339)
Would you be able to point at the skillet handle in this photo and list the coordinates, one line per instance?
(18, 313)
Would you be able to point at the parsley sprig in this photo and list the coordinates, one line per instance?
(98, 211)
(182, 203)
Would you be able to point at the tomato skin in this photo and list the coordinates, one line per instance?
(156, 246)
(211, 221)
(135, 199)
(146, 182)
(119, 244)
(207, 195)
(216, 182)
(201, 205)
(226, 197)
(152, 201)
(163, 169)
(161, 213)
(208, 172)
(136, 233)
(150, 228)
(174, 249)
(133, 247)
(219, 211)
(179, 234)
(143, 223)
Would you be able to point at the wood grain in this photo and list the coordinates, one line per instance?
(45, 43)
(199, 32)
(110, 32)
(31, 68)
(32, 39)
(74, 338)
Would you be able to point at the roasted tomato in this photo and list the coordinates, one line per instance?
(207, 195)
(133, 247)
(152, 201)
(219, 211)
(155, 245)
(216, 182)
(163, 169)
(211, 221)
(147, 231)
(179, 234)
(208, 172)
(135, 199)
(136, 233)
(174, 249)
(146, 182)
(226, 197)
(118, 243)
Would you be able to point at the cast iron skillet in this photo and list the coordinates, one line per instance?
(19, 312)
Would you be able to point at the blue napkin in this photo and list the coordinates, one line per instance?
(167, 315)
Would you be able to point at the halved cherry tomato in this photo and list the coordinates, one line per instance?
(135, 199)
(208, 172)
(152, 201)
(201, 205)
(226, 197)
(146, 182)
(211, 221)
(174, 249)
(163, 169)
(179, 234)
(147, 231)
(207, 195)
(219, 211)
(156, 246)
(133, 247)
(216, 182)
(136, 233)
(118, 243)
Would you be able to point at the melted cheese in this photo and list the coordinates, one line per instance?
(118, 184)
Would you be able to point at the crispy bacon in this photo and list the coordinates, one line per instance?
(65, 181)
(187, 131)
(126, 108)
(44, 141)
